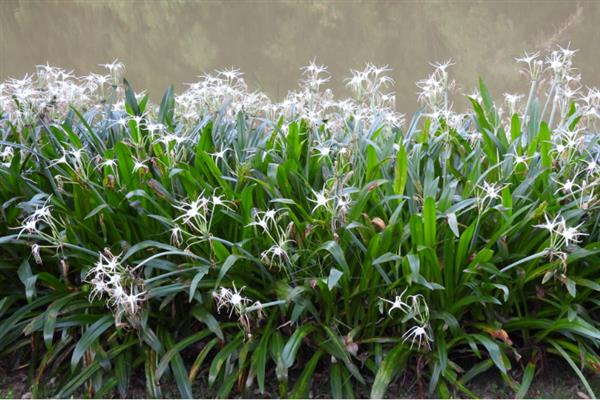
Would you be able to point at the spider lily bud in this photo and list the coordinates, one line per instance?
(35, 252)
(378, 223)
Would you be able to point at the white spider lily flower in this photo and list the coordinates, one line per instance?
(77, 154)
(418, 335)
(176, 236)
(116, 292)
(260, 222)
(270, 215)
(355, 83)
(39, 219)
(7, 152)
(569, 186)
(155, 127)
(218, 201)
(512, 100)
(222, 297)
(343, 203)
(131, 301)
(419, 311)
(107, 266)
(490, 192)
(261, 219)
(315, 77)
(567, 52)
(100, 80)
(520, 159)
(138, 165)
(114, 66)
(321, 200)
(592, 167)
(561, 237)
(550, 226)
(313, 68)
(534, 66)
(475, 95)
(277, 254)
(570, 234)
(99, 288)
(122, 121)
(233, 301)
(60, 160)
(29, 226)
(193, 210)
(114, 279)
(435, 89)
(231, 74)
(443, 66)
(43, 213)
(109, 163)
(398, 304)
(323, 151)
(560, 62)
(236, 299)
(166, 139)
(137, 119)
(220, 155)
(267, 222)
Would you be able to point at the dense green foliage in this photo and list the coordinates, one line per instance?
(235, 246)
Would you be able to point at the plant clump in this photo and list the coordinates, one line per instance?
(225, 238)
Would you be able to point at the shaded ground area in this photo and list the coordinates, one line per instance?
(556, 380)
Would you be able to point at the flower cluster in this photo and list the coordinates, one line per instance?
(561, 237)
(198, 214)
(335, 201)
(41, 225)
(435, 89)
(124, 292)
(234, 302)
(579, 185)
(369, 84)
(562, 77)
(224, 91)
(512, 100)
(51, 91)
(227, 93)
(414, 309)
(278, 254)
(33, 223)
(6, 156)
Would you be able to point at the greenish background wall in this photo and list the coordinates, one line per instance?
(163, 42)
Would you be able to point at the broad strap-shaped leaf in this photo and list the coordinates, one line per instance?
(89, 336)
(391, 364)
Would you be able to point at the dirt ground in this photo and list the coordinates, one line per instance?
(555, 381)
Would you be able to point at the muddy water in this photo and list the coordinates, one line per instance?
(164, 42)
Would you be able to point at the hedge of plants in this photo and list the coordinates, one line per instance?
(313, 246)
